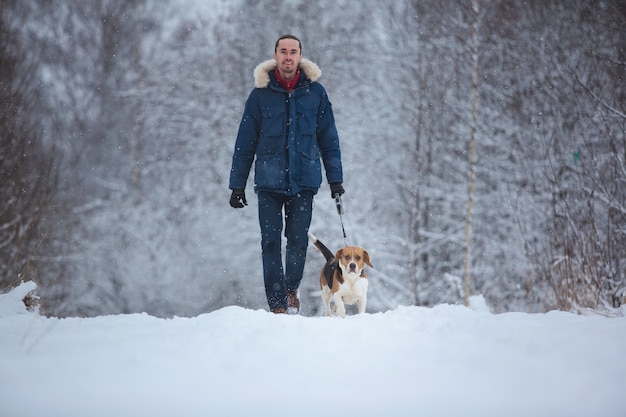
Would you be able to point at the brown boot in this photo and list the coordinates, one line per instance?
(293, 302)
(279, 310)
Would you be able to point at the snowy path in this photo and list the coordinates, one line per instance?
(413, 361)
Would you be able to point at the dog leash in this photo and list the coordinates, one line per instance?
(339, 205)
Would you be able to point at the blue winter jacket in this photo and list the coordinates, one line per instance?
(288, 133)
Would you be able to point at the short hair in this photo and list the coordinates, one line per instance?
(288, 37)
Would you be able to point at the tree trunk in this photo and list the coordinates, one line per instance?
(472, 156)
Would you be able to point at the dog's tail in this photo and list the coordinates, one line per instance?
(322, 248)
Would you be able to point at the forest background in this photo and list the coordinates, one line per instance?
(118, 121)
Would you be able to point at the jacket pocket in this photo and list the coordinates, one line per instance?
(310, 169)
(270, 172)
(272, 135)
(305, 122)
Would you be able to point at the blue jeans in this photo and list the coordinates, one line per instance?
(298, 210)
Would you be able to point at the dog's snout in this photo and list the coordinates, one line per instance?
(352, 265)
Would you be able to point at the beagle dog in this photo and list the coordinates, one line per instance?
(343, 279)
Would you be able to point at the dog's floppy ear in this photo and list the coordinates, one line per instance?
(366, 258)
(339, 254)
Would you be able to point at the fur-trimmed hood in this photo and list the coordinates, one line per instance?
(262, 78)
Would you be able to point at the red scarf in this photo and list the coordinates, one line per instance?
(289, 85)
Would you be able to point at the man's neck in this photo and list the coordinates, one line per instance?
(288, 83)
(287, 76)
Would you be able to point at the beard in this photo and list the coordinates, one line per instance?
(288, 70)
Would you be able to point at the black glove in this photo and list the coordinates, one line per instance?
(238, 199)
(336, 188)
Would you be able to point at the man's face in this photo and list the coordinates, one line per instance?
(288, 56)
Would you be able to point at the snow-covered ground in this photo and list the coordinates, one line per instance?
(412, 361)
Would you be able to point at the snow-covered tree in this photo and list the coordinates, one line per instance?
(27, 164)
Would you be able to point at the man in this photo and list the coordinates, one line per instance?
(288, 126)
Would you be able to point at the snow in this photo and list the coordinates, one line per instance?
(443, 361)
